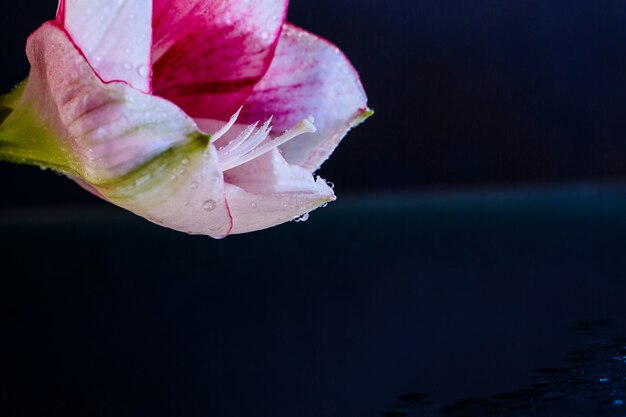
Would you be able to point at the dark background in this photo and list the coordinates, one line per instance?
(467, 93)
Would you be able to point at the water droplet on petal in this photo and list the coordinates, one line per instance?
(303, 218)
(253, 204)
(194, 185)
(185, 161)
(144, 71)
(209, 205)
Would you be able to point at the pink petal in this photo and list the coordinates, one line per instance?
(115, 36)
(209, 54)
(268, 191)
(308, 77)
(114, 138)
(106, 128)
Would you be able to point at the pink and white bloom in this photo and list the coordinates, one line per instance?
(204, 116)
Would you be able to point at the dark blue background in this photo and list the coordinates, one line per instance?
(461, 296)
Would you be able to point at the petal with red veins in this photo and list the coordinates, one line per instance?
(268, 191)
(308, 77)
(114, 35)
(106, 128)
(208, 55)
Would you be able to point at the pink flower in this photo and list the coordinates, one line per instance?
(204, 116)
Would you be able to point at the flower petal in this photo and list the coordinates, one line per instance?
(183, 191)
(268, 191)
(138, 151)
(107, 129)
(209, 54)
(308, 77)
(114, 35)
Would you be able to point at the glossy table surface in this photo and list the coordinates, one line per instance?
(501, 303)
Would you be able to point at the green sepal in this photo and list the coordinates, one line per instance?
(26, 139)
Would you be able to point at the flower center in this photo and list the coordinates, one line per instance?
(253, 141)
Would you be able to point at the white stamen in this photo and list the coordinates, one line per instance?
(230, 159)
(234, 144)
(256, 139)
(226, 127)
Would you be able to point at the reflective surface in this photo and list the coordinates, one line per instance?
(399, 305)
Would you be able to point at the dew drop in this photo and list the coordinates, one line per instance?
(303, 218)
(185, 161)
(186, 203)
(253, 204)
(331, 185)
(265, 36)
(194, 185)
(144, 71)
(209, 205)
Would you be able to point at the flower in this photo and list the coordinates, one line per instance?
(204, 116)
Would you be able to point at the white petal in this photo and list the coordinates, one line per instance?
(268, 191)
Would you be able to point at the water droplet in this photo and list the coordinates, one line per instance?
(265, 36)
(185, 161)
(253, 204)
(303, 218)
(173, 177)
(194, 185)
(181, 171)
(209, 205)
(127, 65)
(331, 185)
(186, 203)
(144, 71)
